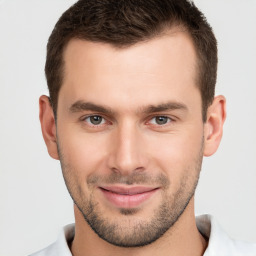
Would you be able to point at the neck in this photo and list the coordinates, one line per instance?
(183, 238)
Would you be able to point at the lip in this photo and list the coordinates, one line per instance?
(127, 197)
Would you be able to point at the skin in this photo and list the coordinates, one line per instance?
(129, 143)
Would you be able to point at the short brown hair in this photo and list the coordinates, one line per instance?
(123, 23)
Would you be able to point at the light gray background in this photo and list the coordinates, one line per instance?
(33, 197)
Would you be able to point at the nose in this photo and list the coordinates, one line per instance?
(127, 150)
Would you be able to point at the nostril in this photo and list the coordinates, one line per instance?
(127, 171)
(115, 170)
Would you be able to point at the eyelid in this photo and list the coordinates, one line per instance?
(90, 115)
(168, 118)
(103, 120)
(106, 119)
(109, 121)
(161, 115)
(170, 121)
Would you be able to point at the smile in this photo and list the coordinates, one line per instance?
(127, 197)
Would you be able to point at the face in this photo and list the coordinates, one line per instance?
(130, 135)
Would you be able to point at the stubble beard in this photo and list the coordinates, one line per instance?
(132, 231)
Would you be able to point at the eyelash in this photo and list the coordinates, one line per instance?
(169, 120)
(94, 125)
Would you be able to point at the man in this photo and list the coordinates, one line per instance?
(131, 114)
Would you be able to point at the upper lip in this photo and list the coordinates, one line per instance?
(124, 190)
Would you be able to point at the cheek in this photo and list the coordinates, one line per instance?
(85, 153)
(176, 153)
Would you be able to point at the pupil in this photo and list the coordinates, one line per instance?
(95, 119)
(161, 120)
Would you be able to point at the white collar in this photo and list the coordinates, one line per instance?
(220, 244)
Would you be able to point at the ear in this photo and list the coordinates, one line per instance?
(213, 130)
(48, 126)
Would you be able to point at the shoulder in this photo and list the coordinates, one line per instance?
(220, 244)
(60, 247)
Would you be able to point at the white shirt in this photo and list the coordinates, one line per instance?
(220, 244)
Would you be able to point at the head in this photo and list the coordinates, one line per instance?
(125, 23)
(132, 113)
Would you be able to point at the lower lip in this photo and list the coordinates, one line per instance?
(127, 201)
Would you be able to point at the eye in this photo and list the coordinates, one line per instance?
(160, 120)
(95, 120)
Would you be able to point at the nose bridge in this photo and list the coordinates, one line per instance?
(127, 155)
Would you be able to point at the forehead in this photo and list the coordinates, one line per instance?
(163, 68)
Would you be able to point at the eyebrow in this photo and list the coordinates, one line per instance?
(80, 106)
(164, 107)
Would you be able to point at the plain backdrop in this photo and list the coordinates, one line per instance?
(34, 203)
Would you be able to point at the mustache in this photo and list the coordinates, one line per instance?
(132, 179)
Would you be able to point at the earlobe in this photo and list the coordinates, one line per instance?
(213, 131)
(48, 126)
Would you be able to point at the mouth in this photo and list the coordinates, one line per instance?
(127, 197)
